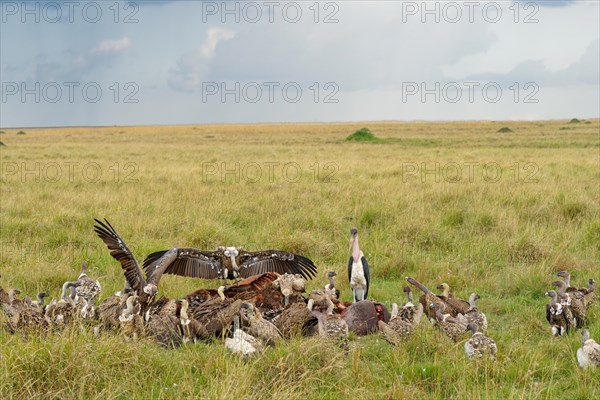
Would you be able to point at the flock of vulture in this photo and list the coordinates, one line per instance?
(266, 303)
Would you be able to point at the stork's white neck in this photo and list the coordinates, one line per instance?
(356, 253)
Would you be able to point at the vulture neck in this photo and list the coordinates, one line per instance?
(184, 307)
(331, 286)
(553, 299)
(472, 301)
(83, 270)
(567, 279)
(585, 336)
(234, 264)
(410, 296)
(63, 295)
(561, 287)
(394, 310)
(129, 310)
(221, 292)
(419, 285)
(446, 291)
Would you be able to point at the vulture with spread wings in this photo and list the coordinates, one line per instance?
(228, 263)
(145, 287)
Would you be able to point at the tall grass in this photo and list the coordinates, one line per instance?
(495, 214)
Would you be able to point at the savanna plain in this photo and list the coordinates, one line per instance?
(495, 213)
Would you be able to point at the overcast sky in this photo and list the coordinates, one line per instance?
(192, 62)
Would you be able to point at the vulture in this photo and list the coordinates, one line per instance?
(242, 343)
(330, 325)
(454, 305)
(555, 315)
(473, 315)
(216, 309)
(331, 286)
(589, 353)
(320, 298)
(258, 326)
(567, 280)
(575, 303)
(132, 324)
(22, 317)
(292, 320)
(408, 311)
(427, 298)
(216, 315)
(88, 289)
(145, 287)
(289, 284)
(590, 294)
(358, 269)
(110, 309)
(451, 326)
(479, 344)
(228, 263)
(399, 329)
(587, 292)
(163, 325)
(63, 311)
(264, 291)
(192, 329)
(39, 302)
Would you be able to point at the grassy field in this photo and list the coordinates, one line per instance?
(486, 212)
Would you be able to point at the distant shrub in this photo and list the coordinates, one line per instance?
(574, 121)
(504, 130)
(588, 122)
(362, 135)
(2, 144)
(21, 133)
(2, 132)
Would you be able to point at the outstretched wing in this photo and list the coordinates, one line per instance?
(260, 262)
(121, 253)
(184, 262)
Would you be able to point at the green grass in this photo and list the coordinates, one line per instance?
(444, 202)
